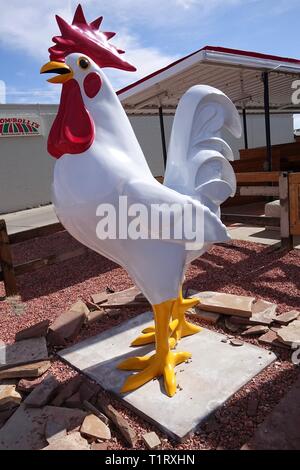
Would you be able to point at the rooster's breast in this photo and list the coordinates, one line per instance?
(79, 187)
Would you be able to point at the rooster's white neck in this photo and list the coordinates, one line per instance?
(113, 131)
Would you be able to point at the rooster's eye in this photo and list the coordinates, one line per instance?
(83, 62)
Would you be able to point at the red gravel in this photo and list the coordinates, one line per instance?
(239, 267)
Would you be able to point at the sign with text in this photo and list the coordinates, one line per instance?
(19, 126)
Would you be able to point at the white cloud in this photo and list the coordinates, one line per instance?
(145, 59)
(29, 26)
(48, 95)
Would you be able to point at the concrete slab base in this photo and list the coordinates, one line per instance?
(216, 372)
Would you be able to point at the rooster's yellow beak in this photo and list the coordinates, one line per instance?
(64, 72)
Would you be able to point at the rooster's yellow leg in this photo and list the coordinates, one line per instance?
(184, 327)
(148, 335)
(161, 363)
(179, 327)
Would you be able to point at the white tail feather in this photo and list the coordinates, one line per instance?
(198, 157)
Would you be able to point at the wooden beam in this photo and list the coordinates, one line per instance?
(6, 262)
(259, 191)
(252, 220)
(37, 264)
(35, 233)
(294, 187)
(285, 235)
(258, 177)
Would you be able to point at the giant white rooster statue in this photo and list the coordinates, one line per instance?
(99, 159)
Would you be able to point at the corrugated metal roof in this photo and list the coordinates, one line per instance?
(237, 73)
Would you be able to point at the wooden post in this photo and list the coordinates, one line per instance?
(294, 190)
(285, 235)
(6, 262)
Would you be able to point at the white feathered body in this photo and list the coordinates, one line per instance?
(197, 172)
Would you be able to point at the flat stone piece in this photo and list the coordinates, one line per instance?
(96, 315)
(209, 317)
(9, 396)
(41, 395)
(120, 423)
(263, 312)
(270, 338)
(89, 407)
(66, 390)
(27, 370)
(215, 373)
(22, 352)
(151, 440)
(287, 317)
(34, 331)
(27, 386)
(93, 426)
(54, 429)
(6, 414)
(125, 298)
(99, 298)
(290, 334)
(255, 330)
(280, 430)
(236, 342)
(73, 401)
(72, 441)
(25, 429)
(68, 324)
(68, 418)
(233, 327)
(228, 304)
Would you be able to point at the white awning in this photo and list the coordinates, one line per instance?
(237, 73)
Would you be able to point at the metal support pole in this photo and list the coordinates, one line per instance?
(245, 128)
(265, 78)
(163, 136)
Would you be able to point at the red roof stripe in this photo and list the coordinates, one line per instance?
(225, 50)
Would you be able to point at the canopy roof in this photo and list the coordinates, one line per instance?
(237, 73)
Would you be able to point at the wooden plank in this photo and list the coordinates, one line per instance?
(285, 235)
(37, 264)
(160, 179)
(253, 220)
(259, 191)
(35, 233)
(294, 178)
(258, 177)
(6, 262)
(294, 185)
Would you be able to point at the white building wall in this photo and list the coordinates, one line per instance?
(26, 168)
(25, 165)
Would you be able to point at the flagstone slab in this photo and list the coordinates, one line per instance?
(216, 372)
(23, 352)
(227, 304)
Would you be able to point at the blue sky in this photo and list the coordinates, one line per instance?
(153, 33)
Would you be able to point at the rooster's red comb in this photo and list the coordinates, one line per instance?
(85, 38)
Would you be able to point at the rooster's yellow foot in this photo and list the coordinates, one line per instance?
(153, 367)
(184, 327)
(148, 335)
(179, 327)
